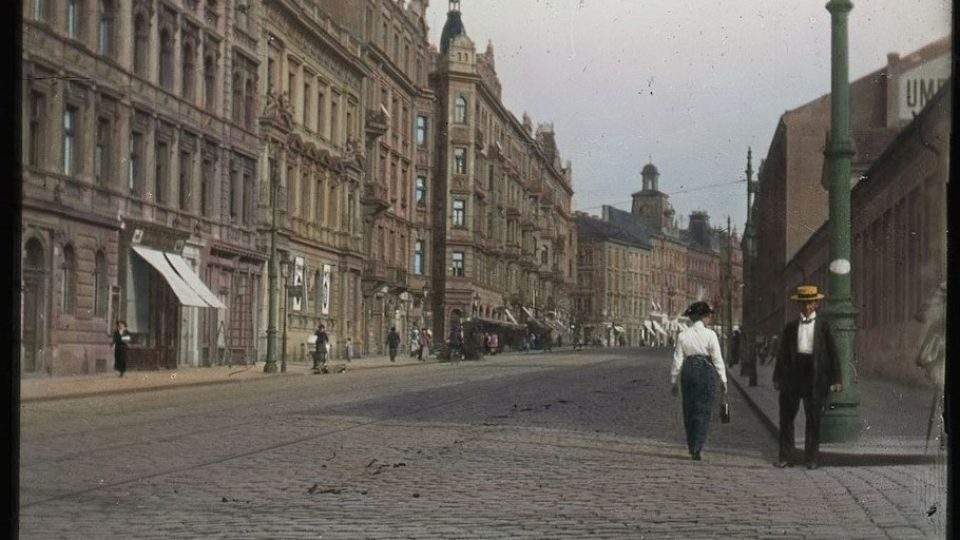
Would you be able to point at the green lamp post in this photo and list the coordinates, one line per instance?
(271, 363)
(749, 249)
(841, 421)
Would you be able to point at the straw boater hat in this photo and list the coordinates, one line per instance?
(807, 293)
(698, 309)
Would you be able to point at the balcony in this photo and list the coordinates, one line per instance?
(376, 124)
(512, 251)
(376, 197)
(374, 271)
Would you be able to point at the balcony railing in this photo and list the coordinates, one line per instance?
(375, 195)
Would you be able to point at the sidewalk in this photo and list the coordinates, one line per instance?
(893, 419)
(45, 388)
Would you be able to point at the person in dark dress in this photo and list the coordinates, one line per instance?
(320, 356)
(393, 343)
(119, 344)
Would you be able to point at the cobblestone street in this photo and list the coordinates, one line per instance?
(571, 445)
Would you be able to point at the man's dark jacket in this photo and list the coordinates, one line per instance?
(826, 363)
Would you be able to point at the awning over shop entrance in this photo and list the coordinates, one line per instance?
(659, 328)
(534, 320)
(510, 316)
(180, 286)
(193, 280)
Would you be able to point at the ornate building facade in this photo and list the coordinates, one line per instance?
(139, 194)
(503, 242)
(312, 167)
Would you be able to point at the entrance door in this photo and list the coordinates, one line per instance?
(164, 321)
(32, 320)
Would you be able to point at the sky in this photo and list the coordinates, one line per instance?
(690, 84)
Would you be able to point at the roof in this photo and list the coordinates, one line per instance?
(649, 168)
(451, 29)
(592, 226)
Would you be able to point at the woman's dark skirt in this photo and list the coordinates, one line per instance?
(697, 380)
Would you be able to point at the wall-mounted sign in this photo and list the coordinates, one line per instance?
(918, 85)
(297, 301)
(325, 293)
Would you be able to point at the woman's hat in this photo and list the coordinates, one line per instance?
(698, 309)
(807, 293)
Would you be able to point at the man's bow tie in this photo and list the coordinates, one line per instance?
(807, 321)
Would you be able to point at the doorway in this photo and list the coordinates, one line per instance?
(34, 300)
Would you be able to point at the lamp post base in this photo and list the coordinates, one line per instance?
(270, 367)
(840, 423)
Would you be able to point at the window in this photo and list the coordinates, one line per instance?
(457, 264)
(141, 45)
(459, 217)
(237, 98)
(421, 130)
(135, 169)
(73, 19)
(166, 59)
(68, 284)
(271, 74)
(101, 289)
(209, 81)
(189, 72)
(460, 111)
(40, 9)
(460, 160)
(106, 26)
(334, 121)
(307, 95)
(233, 198)
(162, 170)
(36, 141)
(321, 111)
(250, 111)
(421, 196)
(206, 178)
(69, 140)
(418, 257)
(246, 195)
(102, 153)
(243, 14)
(186, 178)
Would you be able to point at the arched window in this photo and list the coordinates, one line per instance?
(101, 289)
(166, 59)
(34, 256)
(105, 37)
(209, 81)
(248, 95)
(141, 45)
(68, 286)
(460, 111)
(189, 71)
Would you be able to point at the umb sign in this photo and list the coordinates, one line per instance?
(920, 84)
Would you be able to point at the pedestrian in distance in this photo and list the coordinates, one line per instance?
(697, 361)
(323, 341)
(393, 343)
(121, 339)
(424, 345)
(806, 369)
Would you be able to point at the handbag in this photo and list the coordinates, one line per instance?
(724, 412)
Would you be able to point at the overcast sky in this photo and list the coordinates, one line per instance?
(691, 83)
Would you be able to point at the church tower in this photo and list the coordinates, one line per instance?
(651, 206)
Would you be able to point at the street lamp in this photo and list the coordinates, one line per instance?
(271, 363)
(750, 254)
(841, 421)
(285, 275)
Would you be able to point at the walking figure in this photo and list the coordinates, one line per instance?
(456, 341)
(807, 367)
(696, 359)
(120, 341)
(393, 342)
(320, 356)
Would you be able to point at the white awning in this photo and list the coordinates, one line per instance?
(510, 316)
(184, 292)
(193, 280)
(619, 328)
(648, 326)
(528, 312)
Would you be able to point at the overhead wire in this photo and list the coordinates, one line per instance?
(679, 192)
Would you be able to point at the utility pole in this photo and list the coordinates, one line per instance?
(748, 248)
(841, 421)
(728, 303)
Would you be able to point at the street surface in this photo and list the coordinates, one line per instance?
(562, 445)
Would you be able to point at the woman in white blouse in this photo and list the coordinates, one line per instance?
(695, 360)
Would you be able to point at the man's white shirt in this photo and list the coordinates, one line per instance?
(805, 334)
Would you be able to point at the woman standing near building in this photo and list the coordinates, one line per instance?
(119, 343)
(695, 359)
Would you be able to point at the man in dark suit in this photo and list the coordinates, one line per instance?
(807, 368)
